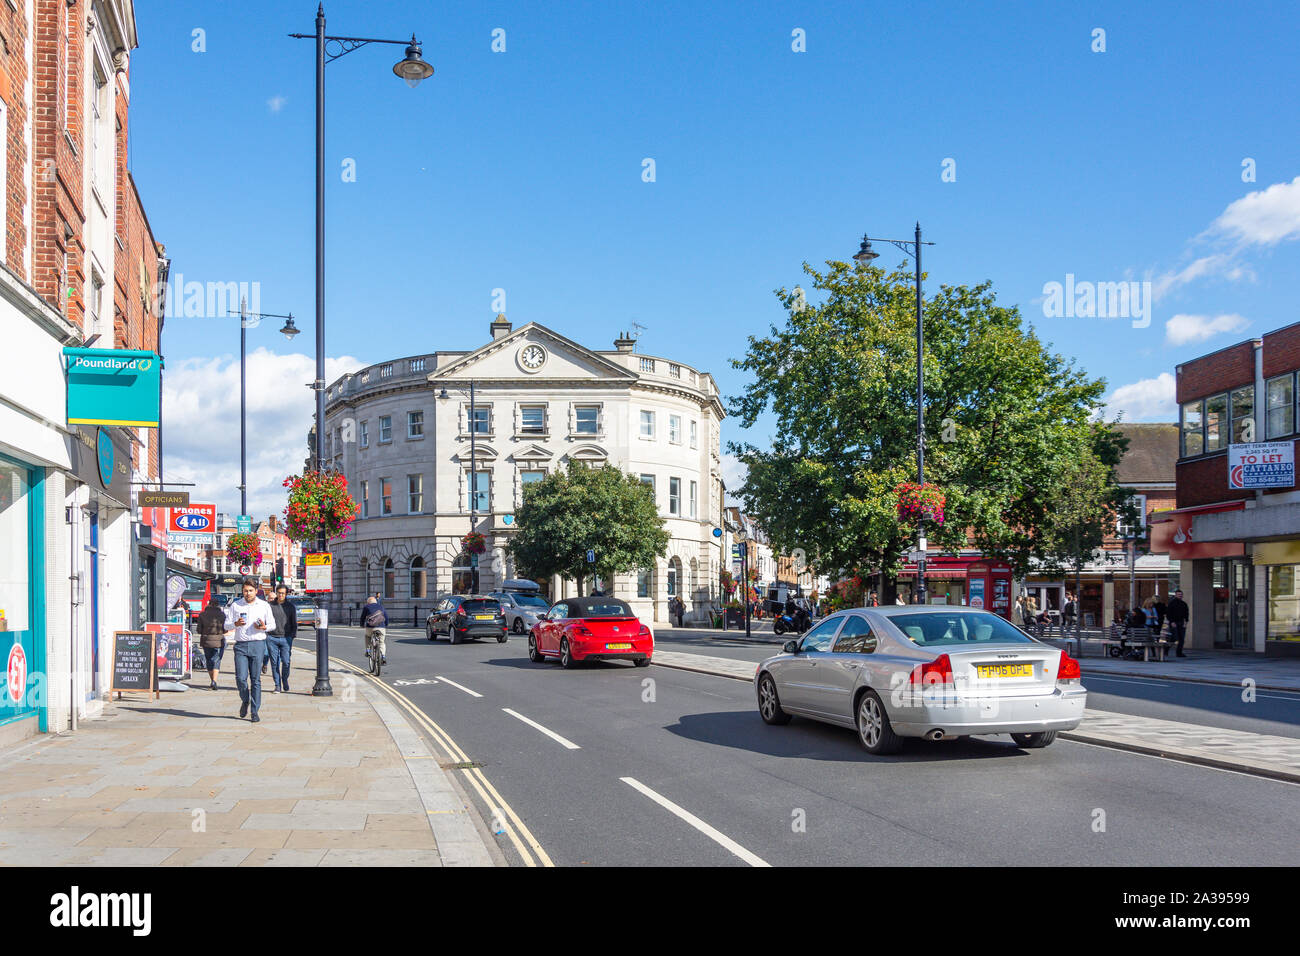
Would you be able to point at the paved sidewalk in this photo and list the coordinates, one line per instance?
(1261, 754)
(1207, 667)
(182, 781)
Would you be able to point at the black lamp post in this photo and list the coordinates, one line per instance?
(289, 331)
(912, 248)
(413, 69)
(473, 479)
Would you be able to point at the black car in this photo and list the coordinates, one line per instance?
(459, 617)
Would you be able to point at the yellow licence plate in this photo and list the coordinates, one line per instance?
(991, 671)
(618, 647)
(482, 617)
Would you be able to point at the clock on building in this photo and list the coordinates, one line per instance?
(532, 357)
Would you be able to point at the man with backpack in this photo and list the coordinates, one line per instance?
(375, 618)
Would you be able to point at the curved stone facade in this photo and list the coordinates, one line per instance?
(400, 432)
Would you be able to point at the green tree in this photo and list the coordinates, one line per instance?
(604, 510)
(1002, 415)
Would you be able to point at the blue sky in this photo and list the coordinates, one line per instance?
(522, 170)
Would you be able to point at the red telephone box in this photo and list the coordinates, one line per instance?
(988, 587)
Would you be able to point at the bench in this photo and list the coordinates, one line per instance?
(1121, 641)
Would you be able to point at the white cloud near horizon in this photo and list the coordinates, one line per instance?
(1183, 329)
(201, 424)
(733, 476)
(1150, 399)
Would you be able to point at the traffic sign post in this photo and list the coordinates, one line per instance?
(244, 524)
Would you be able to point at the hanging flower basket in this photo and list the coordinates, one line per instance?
(920, 503)
(318, 501)
(752, 574)
(474, 543)
(728, 583)
(244, 548)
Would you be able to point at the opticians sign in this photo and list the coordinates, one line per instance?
(113, 387)
(1265, 464)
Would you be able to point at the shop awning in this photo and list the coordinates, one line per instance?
(1174, 533)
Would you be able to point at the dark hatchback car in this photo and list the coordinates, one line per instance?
(459, 617)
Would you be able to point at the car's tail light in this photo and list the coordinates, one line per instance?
(582, 630)
(644, 632)
(937, 671)
(1068, 670)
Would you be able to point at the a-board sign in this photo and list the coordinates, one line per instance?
(171, 650)
(133, 662)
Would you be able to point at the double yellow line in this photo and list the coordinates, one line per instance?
(530, 851)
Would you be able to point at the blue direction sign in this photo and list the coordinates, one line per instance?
(591, 557)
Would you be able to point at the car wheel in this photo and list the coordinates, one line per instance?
(428, 632)
(502, 638)
(534, 654)
(518, 625)
(874, 729)
(769, 705)
(1034, 741)
(642, 662)
(452, 636)
(566, 656)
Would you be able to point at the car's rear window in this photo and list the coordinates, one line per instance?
(482, 607)
(601, 609)
(531, 600)
(958, 627)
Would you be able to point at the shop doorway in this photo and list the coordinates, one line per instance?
(1232, 604)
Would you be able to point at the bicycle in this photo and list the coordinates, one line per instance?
(376, 658)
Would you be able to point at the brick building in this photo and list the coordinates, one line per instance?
(77, 254)
(1240, 542)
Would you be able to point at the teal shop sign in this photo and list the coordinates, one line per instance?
(113, 387)
(243, 524)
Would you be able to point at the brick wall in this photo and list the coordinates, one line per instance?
(1216, 372)
(13, 84)
(1282, 351)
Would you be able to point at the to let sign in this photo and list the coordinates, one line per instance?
(1267, 464)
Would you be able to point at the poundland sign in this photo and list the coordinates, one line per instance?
(113, 387)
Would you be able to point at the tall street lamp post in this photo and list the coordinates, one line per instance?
(912, 248)
(289, 331)
(473, 478)
(412, 68)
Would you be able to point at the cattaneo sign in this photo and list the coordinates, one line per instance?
(1265, 464)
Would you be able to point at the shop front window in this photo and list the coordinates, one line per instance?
(1283, 603)
(15, 571)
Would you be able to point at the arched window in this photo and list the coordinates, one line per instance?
(417, 578)
(462, 574)
(674, 576)
(390, 579)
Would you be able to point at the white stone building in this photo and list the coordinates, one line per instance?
(401, 432)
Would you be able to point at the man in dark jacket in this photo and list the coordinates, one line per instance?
(279, 642)
(375, 619)
(211, 624)
(1177, 613)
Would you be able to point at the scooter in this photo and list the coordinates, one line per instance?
(786, 623)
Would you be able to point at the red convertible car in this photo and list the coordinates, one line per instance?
(590, 629)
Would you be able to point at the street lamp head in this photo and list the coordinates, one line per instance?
(412, 67)
(866, 253)
(290, 330)
(442, 396)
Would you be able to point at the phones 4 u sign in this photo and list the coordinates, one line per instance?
(1269, 464)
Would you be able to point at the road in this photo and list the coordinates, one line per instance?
(613, 765)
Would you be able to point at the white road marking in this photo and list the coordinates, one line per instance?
(719, 838)
(535, 725)
(472, 693)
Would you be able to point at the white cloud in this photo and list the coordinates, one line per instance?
(1264, 217)
(1183, 329)
(733, 476)
(276, 103)
(201, 424)
(1151, 399)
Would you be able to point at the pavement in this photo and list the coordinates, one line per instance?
(182, 781)
(1259, 754)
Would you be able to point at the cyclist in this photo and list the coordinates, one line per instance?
(375, 618)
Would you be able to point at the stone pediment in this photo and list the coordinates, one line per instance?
(532, 352)
(532, 453)
(482, 452)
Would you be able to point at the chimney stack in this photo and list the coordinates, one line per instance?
(623, 343)
(500, 327)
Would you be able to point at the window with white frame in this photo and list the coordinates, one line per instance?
(694, 492)
(1243, 414)
(674, 496)
(1279, 398)
(385, 428)
(480, 494)
(363, 434)
(99, 134)
(650, 480)
(1125, 530)
(414, 494)
(479, 419)
(414, 425)
(532, 419)
(647, 424)
(694, 431)
(386, 496)
(96, 303)
(586, 420)
(675, 429)
(643, 584)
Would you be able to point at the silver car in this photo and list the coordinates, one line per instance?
(522, 610)
(941, 673)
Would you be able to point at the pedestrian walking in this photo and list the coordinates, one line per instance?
(279, 642)
(250, 619)
(211, 625)
(1178, 614)
(1018, 612)
(1070, 612)
(678, 610)
(375, 619)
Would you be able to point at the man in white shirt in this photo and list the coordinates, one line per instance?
(250, 618)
